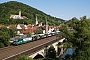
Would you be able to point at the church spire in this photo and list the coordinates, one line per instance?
(36, 20)
(46, 26)
(20, 13)
(46, 22)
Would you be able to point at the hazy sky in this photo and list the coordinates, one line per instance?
(65, 9)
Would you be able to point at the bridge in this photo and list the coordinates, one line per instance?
(31, 49)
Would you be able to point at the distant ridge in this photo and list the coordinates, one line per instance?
(13, 7)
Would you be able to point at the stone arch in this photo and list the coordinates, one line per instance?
(38, 56)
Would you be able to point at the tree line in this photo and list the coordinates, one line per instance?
(13, 7)
(5, 35)
(77, 33)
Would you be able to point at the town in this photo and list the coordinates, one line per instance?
(44, 30)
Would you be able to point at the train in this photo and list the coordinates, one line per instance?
(19, 41)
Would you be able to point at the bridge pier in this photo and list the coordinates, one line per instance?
(40, 52)
(44, 52)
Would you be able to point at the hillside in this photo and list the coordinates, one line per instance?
(13, 7)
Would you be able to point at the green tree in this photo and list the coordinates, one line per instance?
(68, 57)
(51, 52)
(73, 22)
(23, 57)
(81, 39)
(11, 31)
(13, 7)
(1, 44)
(28, 34)
(4, 38)
(65, 32)
(38, 31)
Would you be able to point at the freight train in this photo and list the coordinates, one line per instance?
(19, 41)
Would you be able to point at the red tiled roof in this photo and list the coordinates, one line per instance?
(50, 26)
(30, 29)
(22, 26)
(29, 25)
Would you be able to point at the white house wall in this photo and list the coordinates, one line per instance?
(18, 27)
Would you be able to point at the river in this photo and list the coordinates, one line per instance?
(68, 51)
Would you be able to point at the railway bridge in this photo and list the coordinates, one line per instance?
(31, 49)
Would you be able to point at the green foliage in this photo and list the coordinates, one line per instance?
(38, 31)
(27, 58)
(48, 59)
(73, 22)
(81, 38)
(23, 57)
(67, 44)
(1, 45)
(4, 39)
(5, 35)
(68, 57)
(51, 52)
(39, 59)
(28, 34)
(11, 32)
(65, 32)
(13, 7)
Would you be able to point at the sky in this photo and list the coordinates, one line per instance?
(65, 9)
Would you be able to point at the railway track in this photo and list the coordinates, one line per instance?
(10, 52)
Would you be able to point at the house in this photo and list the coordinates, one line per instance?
(17, 16)
(20, 28)
(50, 29)
(24, 29)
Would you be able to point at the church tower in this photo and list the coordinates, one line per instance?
(36, 20)
(20, 13)
(46, 26)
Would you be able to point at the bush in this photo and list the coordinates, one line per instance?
(1, 45)
(23, 57)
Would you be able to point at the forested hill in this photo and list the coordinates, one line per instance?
(13, 7)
